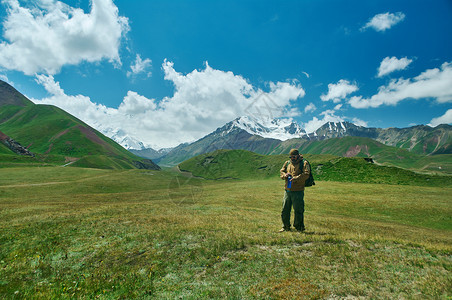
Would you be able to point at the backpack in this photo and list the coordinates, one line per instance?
(310, 181)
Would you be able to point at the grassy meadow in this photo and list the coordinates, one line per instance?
(77, 233)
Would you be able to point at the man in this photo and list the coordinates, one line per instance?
(295, 174)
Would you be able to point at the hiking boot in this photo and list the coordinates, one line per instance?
(284, 229)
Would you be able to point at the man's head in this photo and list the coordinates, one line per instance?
(294, 155)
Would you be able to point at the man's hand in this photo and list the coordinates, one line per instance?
(284, 175)
(295, 178)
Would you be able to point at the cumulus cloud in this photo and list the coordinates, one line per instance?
(80, 106)
(444, 119)
(382, 22)
(391, 64)
(339, 91)
(310, 107)
(49, 34)
(140, 66)
(359, 122)
(433, 83)
(203, 101)
(330, 116)
(316, 123)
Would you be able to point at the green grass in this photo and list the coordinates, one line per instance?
(108, 234)
(242, 164)
(4, 149)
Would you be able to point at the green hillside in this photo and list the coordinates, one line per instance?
(57, 137)
(235, 164)
(5, 150)
(241, 164)
(365, 147)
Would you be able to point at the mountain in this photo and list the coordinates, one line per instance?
(55, 136)
(341, 129)
(385, 146)
(237, 134)
(278, 136)
(134, 145)
(419, 139)
(151, 153)
(281, 129)
(125, 140)
(242, 133)
(10, 96)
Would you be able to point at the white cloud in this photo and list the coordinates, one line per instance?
(134, 104)
(339, 91)
(444, 119)
(382, 22)
(391, 64)
(330, 116)
(80, 106)
(306, 74)
(203, 100)
(140, 66)
(359, 122)
(49, 34)
(5, 78)
(310, 107)
(433, 83)
(315, 123)
(48, 82)
(337, 107)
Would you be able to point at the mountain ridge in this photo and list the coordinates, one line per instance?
(55, 136)
(400, 147)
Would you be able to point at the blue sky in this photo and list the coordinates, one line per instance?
(166, 72)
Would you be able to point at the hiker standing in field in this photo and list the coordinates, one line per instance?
(295, 172)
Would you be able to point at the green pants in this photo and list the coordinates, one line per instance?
(295, 199)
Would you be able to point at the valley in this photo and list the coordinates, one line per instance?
(135, 234)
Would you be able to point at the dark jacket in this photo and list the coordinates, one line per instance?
(299, 174)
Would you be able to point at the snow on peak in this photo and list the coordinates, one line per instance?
(281, 129)
(126, 140)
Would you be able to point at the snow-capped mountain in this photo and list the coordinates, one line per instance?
(340, 129)
(126, 140)
(280, 129)
(278, 136)
(274, 136)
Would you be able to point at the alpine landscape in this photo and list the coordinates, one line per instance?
(83, 216)
(179, 196)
